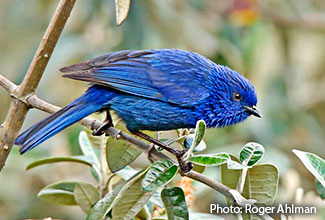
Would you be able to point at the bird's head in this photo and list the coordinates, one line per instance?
(233, 97)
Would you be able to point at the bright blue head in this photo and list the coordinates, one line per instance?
(232, 99)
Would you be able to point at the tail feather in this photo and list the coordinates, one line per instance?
(93, 100)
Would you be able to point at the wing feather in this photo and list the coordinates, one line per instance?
(175, 76)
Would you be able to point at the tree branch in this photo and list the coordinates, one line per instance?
(18, 107)
(46, 47)
(34, 102)
(7, 84)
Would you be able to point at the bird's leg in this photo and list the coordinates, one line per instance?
(185, 167)
(158, 143)
(108, 122)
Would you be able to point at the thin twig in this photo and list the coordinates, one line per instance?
(212, 183)
(7, 84)
(242, 179)
(18, 107)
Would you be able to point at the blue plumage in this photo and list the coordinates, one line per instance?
(159, 89)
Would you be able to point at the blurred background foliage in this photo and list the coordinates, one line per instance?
(279, 45)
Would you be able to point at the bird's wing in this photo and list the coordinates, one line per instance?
(168, 75)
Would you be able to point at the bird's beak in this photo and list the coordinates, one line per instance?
(253, 110)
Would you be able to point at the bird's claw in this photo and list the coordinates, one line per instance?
(101, 130)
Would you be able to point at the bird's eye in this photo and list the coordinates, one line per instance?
(237, 96)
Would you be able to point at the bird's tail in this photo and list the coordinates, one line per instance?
(91, 101)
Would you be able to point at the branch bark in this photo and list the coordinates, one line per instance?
(7, 84)
(18, 107)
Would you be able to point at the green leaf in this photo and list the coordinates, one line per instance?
(198, 168)
(144, 214)
(103, 206)
(159, 174)
(127, 172)
(320, 189)
(313, 163)
(198, 136)
(86, 195)
(199, 132)
(261, 182)
(97, 141)
(57, 196)
(156, 199)
(234, 165)
(75, 159)
(60, 193)
(87, 149)
(188, 142)
(122, 8)
(251, 153)
(175, 204)
(210, 159)
(95, 174)
(120, 153)
(131, 200)
(201, 146)
(193, 140)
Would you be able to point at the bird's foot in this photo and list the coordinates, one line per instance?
(106, 124)
(101, 130)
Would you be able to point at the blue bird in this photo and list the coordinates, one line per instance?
(159, 89)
